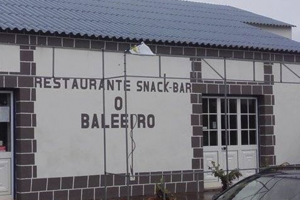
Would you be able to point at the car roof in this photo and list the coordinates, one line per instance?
(287, 171)
(290, 171)
(284, 174)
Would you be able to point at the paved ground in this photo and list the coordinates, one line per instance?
(187, 196)
(202, 196)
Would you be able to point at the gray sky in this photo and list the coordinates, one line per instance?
(282, 10)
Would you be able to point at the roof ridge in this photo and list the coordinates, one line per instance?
(259, 15)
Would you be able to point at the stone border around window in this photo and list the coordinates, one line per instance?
(264, 93)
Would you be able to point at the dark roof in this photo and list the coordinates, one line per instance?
(154, 20)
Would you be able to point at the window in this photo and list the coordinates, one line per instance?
(241, 121)
(5, 133)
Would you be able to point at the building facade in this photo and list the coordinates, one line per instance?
(79, 115)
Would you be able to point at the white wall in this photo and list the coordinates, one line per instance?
(282, 31)
(286, 110)
(9, 58)
(66, 149)
(287, 126)
(235, 70)
(287, 72)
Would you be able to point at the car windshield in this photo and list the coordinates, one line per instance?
(265, 188)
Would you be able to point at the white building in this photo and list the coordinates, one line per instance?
(63, 136)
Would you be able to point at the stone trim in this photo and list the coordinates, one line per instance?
(51, 40)
(196, 122)
(196, 118)
(25, 96)
(92, 187)
(267, 120)
(262, 90)
(21, 83)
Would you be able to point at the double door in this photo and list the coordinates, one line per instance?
(241, 135)
(6, 145)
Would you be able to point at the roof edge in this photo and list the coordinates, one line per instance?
(136, 40)
(266, 24)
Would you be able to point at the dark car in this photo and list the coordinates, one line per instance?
(276, 183)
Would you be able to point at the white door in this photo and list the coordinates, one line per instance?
(242, 135)
(6, 145)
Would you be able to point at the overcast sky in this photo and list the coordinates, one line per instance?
(282, 10)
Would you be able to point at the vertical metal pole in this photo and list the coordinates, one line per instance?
(126, 127)
(165, 79)
(104, 127)
(280, 72)
(197, 179)
(226, 117)
(163, 188)
(131, 155)
(253, 70)
(53, 62)
(159, 65)
(198, 191)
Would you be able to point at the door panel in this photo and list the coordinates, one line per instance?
(248, 162)
(5, 176)
(232, 160)
(240, 137)
(208, 158)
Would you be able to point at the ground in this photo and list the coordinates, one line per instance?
(187, 196)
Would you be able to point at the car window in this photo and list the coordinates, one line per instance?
(264, 188)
